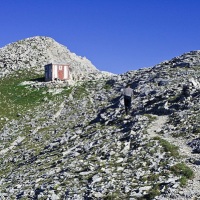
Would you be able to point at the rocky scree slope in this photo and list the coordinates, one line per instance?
(39, 51)
(78, 144)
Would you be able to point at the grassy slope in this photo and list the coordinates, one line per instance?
(17, 99)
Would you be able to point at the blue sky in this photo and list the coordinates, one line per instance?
(115, 35)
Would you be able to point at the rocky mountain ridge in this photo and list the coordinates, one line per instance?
(77, 143)
(39, 51)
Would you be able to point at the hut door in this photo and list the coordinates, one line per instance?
(60, 72)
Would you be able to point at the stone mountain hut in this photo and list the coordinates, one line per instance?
(56, 72)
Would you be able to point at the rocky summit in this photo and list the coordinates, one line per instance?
(74, 142)
(35, 52)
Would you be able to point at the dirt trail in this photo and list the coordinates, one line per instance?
(192, 191)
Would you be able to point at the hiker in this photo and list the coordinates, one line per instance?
(128, 93)
(186, 91)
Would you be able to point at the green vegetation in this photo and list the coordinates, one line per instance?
(153, 177)
(80, 91)
(153, 192)
(17, 99)
(179, 134)
(183, 171)
(150, 117)
(196, 130)
(173, 99)
(107, 86)
(4, 171)
(113, 196)
(170, 148)
(34, 47)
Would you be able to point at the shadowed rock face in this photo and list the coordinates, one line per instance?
(77, 143)
(39, 51)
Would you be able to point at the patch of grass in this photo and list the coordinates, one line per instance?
(174, 99)
(153, 177)
(112, 196)
(179, 134)
(196, 130)
(80, 91)
(150, 144)
(172, 149)
(150, 117)
(15, 98)
(18, 99)
(4, 171)
(183, 181)
(34, 47)
(153, 192)
(67, 91)
(181, 169)
(107, 86)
